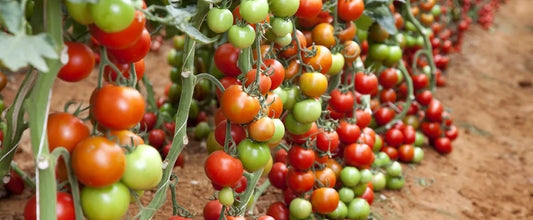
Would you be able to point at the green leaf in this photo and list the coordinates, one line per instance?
(364, 22)
(20, 50)
(181, 21)
(12, 16)
(384, 17)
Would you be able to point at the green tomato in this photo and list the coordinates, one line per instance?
(381, 159)
(346, 194)
(436, 10)
(253, 11)
(281, 26)
(175, 58)
(179, 41)
(350, 176)
(394, 169)
(284, 8)
(292, 94)
(378, 144)
(174, 93)
(419, 41)
(362, 35)
(168, 109)
(410, 26)
(279, 131)
(395, 54)
(427, 70)
(253, 155)
(281, 94)
(300, 208)
(411, 120)
(337, 63)
(307, 111)
(410, 41)
(366, 176)
(211, 143)
(359, 189)
(201, 131)
(379, 181)
(79, 11)
(219, 20)
(194, 109)
(175, 75)
(241, 36)
(358, 209)
(420, 139)
(378, 52)
(225, 196)
(293, 126)
(418, 155)
(340, 212)
(110, 202)
(284, 41)
(395, 182)
(112, 15)
(143, 168)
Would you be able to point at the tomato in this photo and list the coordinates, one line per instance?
(342, 101)
(253, 11)
(80, 62)
(350, 10)
(365, 83)
(148, 122)
(384, 115)
(65, 130)
(112, 16)
(424, 97)
(110, 202)
(348, 132)
(337, 63)
(278, 210)
(406, 153)
(327, 141)
(434, 111)
(79, 11)
(391, 152)
(226, 57)
(394, 137)
(324, 200)
(125, 138)
(340, 212)
(350, 176)
(394, 169)
(321, 59)
(254, 155)
(177, 217)
(261, 129)
(274, 105)
(143, 168)
(313, 84)
(348, 33)
(135, 52)
(237, 133)
(301, 158)
(363, 118)
(300, 208)
(64, 207)
(219, 20)
(121, 39)
(351, 51)
(291, 50)
(309, 8)
(284, 8)
(443, 145)
(227, 81)
(326, 177)
(118, 107)
(294, 126)
(212, 210)
(307, 111)
(358, 155)
(322, 34)
(452, 132)
(241, 36)
(358, 209)
(300, 181)
(264, 81)
(223, 169)
(278, 175)
(275, 71)
(281, 27)
(238, 106)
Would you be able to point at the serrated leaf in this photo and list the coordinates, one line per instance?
(23, 50)
(181, 21)
(196, 34)
(12, 16)
(384, 17)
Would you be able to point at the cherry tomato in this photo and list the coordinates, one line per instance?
(65, 130)
(226, 57)
(342, 101)
(324, 200)
(223, 169)
(321, 60)
(238, 106)
(261, 129)
(300, 181)
(313, 84)
(309, 8)
(64, 207)
(219, 20)
(80, 62)
(135, 52)
(358, 155)
(350, 10)
(118, 107)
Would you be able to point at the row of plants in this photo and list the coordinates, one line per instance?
(320, 99)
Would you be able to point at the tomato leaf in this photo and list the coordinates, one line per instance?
(364, 22)
(181, 17)
(382, 14)
(12, 15)
(20, 50)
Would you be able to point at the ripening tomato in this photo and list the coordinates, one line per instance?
(351, 51)
(323, 34)
(64, 207)
(261, 129)
(98, 162)
(238, 106)
(264, 81)
(326, 177)
(80, 62)
(406, 153)
(321, 59)
(313, 84)
(350, 10)
(125, 138)
(121, 39)
(274, 105)
(65, 130)
(118, 107)
(325, 199)
(291, 50)
(348, 33)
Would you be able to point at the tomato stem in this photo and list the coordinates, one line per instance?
(74, 188)
(27, 179)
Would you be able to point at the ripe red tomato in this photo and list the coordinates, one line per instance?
(148, 122)
(327, 140)
(434, 111)
(443, 145)
(64, 207)
(363, 118)
(394, 137)
(342, 101)
(452, 132)
(350, 10)
(226, 57)
(223, 169)
(278, 210)
(384, 115)
(264, 81)
(238, 106)
(358, 155)
(98, 162)
(309, 8)
(121, 39)
(366, 83)
(391, 152)
(300, 181)
(324, 200)
(65, 130)
(431, 129)
(278, 175)
(424, 97)
(301, 158)
(388, 78)
(135, 52)
(420, 81)
(212, 210)
(406, 153)
(387, 95)
(118, 107)
(80, 62)
(368, 195)
(275, 71)
(348, 132)
(15, 185)
(156, 138)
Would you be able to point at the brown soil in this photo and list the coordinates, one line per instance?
(487, 176)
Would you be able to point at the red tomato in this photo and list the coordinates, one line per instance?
(406, 152)
(350, 10)
(394, 137)
(65, 130)
(348, 132)
(135, 52)
(264, 81)
(363, 118)
(358, 155)
(278, 175)
(275, 71)
(226, 57)
(434, 111)
(391, 152)
(121, 39)
(300, 181)
(64, 207)
(324, 200)
(309, 8)
(15, 185)
(278, 210)
(342, 101)
(212, 210)
(292, 49)
(223, 169)
(301, 158)
(327, 140)
(237, 132)
(384, 115)
(368, 195)
(118, 107)
(366, 83)
(80, 62)
(443, 145)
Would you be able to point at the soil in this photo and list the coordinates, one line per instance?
(487, 176)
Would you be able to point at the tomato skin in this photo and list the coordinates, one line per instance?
(443, 145)
(80, 62)
(109, 202)
(324, 200)
(342, 102)
(253, 11)
(388, 78)
(238, 106)
(406, 153)
(237, 133)
(384, 115)
(394, 137)
(278, 175)
(148, 122)
(452, 133)
(253, 155)
(348, 132)
(143, 168)
(351, 51)
(309, 8)
(117, 107)
(241, 36)
(300, 181)
(313, 84)
(284, 8)
(321, 60)
(226, 57)
(301, 158)
(275, 107)
(276, 72)
(358, 155)
(261, 129)
(327, 140)
(223, 169)
(79, 11)
(366, 83)
(112, 16)
(121, 39)
(219, 20)
(264, 81)
(350, 10)
(64, 207)
(98, 162)
(135, 52)
(434, 111)
(368, 195)
(322, 34)
(65, 130)
(293, 48)
(212, 210)
(326, 177)
(363, 118)
(278, 210)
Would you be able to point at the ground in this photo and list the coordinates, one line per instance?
(487, 176)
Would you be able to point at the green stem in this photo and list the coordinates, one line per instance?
(27, 179)
(38, 107)
(406, 8)
(180, 135)
(74, 188)
(212, 79)
(258, 192)
(152, 106)
(247, 195)
(407, 102)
